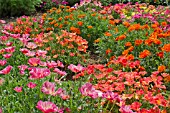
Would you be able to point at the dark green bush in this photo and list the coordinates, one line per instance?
(72, 2)
(18, 7)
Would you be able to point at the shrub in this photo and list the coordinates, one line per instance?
(72, 2)
(18, 7)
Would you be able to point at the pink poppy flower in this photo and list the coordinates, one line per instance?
(30, 54)
(22, 69)
(2, 80)
(60, 64)
(111, 95)
(126, 109)
(3, 62)
(47, 107)
(31, 85)
(42, 63)
(24, 50)
(41, 53)
(31, 45)
(62, 73)
(75, 68)
(37, 73)
(18, 89)
(4, 38)
(51, 64)
(7, 56)
(2, 21)
(33, 61)
(0, 110)
(2, 51)
(88, 90)
(60, 92)
(6, 70)
(9, 43)
(48, 88)
(10, 49)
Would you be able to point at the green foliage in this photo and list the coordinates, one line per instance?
(72, 2)
(18, 7)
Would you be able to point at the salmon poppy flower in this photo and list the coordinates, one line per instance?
(161, 68)
(144, 54)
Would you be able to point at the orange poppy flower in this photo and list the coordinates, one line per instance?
(80, 23)
(166, 47)
(108, 51)
(125, 52)
(130, 57)
(89, 27)
(127, 44)
(131, 48)
(58, 11)
(56, 25)
(157, 41)
(94, 14)
(160, 54)
(97, 40)
(75, 30)
(164, 24)
(59, 19)
(138, 42)
(148, 42)
(154, 25)
(81, 16)
(50, 19)
(121, 37)
(167, 79)
(107, 34)
(126, 24)
(62, 6)
(111, 22)
(60, 26)
(48, 48)
(144, 53)
(161, 68)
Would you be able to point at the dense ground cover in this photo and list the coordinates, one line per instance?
(45, 63)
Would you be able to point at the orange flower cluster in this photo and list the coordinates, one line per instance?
(71, 40)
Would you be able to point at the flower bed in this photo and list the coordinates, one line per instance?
(44, 63)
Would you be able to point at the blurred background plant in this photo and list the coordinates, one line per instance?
(18, 7)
